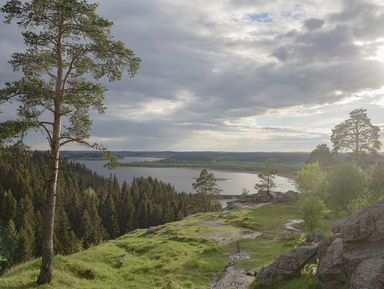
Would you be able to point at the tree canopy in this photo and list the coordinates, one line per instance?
(322, 155)
(266, 178)
(207, 190)
(356, 134)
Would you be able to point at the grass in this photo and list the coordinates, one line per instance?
(187, 254)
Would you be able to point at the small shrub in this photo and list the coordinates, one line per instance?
(312, 210)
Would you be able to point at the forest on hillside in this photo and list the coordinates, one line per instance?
(90, 208)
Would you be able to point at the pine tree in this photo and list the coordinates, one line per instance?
(207, 191)
(69, 49)
(266, 177)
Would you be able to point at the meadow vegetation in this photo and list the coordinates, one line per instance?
(191, 253)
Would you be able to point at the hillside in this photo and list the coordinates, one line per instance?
(191, 253)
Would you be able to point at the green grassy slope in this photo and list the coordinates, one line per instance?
(187, 254)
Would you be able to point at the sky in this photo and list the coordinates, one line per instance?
(234, 75)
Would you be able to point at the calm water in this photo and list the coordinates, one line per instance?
(182, 178)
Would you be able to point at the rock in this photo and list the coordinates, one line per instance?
(353, 255)
(316, 236)
(262, 197)
(291, 196)
(287, 265)
(323, 246)
(360, 251)
(369, 274)
(331, 267)
(278, 196)
(295, 225)
(153, 230)
(121, 260)
(368, 224)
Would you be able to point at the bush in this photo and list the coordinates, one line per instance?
(346, 184)
(312, 210)
(312, 179)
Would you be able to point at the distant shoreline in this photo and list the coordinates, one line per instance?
(240, 167)
(284, 170)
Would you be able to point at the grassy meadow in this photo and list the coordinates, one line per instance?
(191, 253)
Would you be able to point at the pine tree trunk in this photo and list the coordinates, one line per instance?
(47, 254)
(46, 269)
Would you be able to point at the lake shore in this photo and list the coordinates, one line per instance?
(231, 181)
(232, 168)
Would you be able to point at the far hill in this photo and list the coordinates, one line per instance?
(287, 163)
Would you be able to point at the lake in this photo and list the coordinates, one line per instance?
(231, 183)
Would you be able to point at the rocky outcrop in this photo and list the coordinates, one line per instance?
(287, 265)
(369, 274)
(353, 255)
(368, 224)
(268, 197)
(331, 266)
(287, 197)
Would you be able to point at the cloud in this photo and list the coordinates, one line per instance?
(313, 23)
(207, 65)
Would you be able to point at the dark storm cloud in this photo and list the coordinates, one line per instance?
(313, 23)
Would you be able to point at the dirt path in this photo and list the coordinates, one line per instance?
(234, 277)
(226, 234)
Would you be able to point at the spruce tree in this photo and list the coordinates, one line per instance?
(110, 217)
(7, 207)
(65, 239)
(8, 245)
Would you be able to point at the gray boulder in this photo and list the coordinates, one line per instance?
(288, 265)
(360, 251)
(291, 196)
(367, 224)
(331, 266)
(369, 274)
(263, 197)
(353, 255)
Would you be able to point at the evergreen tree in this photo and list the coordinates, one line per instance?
(7, 207)
(266, 178)
(356, 135)
(25, 243)
(92, 230)
(207, 191)
(8, 245)
(109, 218)
(322, 155)
(68, 44)
(65, 239)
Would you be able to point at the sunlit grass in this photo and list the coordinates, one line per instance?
(184, 254)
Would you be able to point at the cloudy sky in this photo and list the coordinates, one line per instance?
(236, 75)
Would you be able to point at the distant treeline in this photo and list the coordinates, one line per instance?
(201, 155)
(90, 208)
